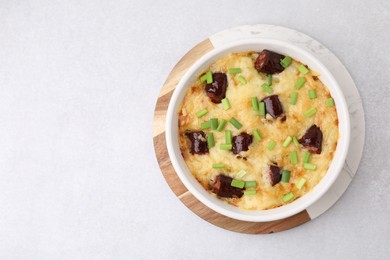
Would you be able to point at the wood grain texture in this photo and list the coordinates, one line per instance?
(173, 180)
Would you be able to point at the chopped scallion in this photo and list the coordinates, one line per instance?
(205, 125)
(226, 146)
(301, 183)
(237, 183)
(221, 125)
(309, 166)
(287, 141)
(294, 97)
(270, 80)
(218, 165)
(306, 157)
(201, 113)
(267, 88)
(225, 103)
(250, 192)
(301, 81)
(312, 94)
(228, 137)
(203, 78)
(242, 79)
(311, 112)
(209, 77)
(250, 184)
(303, 69)
(271, 145)
(235, 123)
(295, 141)
(234, 70)
(213, 123)
(329, 102)
(241, 173)
(257, 135)
(288, 197)
(255, 104)
(262, 108)
(286, 175)
(210, 140)
(286, 61)
(293, 157)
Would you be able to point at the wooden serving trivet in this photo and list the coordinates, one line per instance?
(348, 88)
(173, 180)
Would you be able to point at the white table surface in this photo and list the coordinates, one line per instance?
(78, 85)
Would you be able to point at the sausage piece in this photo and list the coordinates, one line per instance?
(241, 142)
(198, 142)
(312, 139)
(222, 187)
(268, 62)
(217, 89)
(275, 174)
(273, 106)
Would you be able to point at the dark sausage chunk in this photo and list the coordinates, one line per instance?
(241, 142)
(275, 174)
(198, 142)
(268, 62)
(217, 90)
(273, 106)
(312, 139)
(221, 186)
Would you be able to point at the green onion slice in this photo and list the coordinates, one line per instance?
(203, 78)
(329, 102)
(213, 123)
(294, 157)
(303, 69)
(286, 175)
(294, 97)
(228, 137)
(255, 104)
(226, 146)
(209, 77)
(262, 108)
(301, 183)
(201, 113)
(288, 197)
(210, 140)
(250, 192)
(287, 141)
(234, 70)
(241, 173)
(257, 135)
(235, 123)
(301, 81)
(221, 125)
(270, 80)
(205, 125)
(271, 145)
(225, 103)
(312, 94)
(237, 183)
(242, 79)
(309, 166)
(311, 112)
(250, 184)
(306, 157)
(285, 62)
(218, 165)
(295, 141)
(267, 88)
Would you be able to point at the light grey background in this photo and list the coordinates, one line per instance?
(78, 85)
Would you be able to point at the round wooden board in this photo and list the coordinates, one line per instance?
(173, 180)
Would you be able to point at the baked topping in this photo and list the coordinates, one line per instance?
(268, 62)
(217, 89)
(198, 142)
(312, 139)
(241, 142)
(223, 188)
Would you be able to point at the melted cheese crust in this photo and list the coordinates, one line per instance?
(258, 157)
